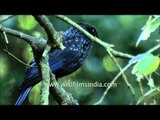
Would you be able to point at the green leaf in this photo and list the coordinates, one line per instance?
(37, 34)
(138, 58)
(151, 83)
(109, 65)
(27, 54)
(146, 66)
(148, 97)
(155, 23)
(152, 24)
(4, 67)
(27, 22)
(34, 95)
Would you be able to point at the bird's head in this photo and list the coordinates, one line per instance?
(90, 28)
(73, 37)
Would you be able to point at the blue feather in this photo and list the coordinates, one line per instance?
(23, 96)
(62, 62)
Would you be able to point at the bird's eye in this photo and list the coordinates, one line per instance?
(93, 30)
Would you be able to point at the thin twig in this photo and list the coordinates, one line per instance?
(121, 55)
(4, 18)
(107, 46)
(54, 39)
(37, 43)
(112, 82)
(5, 37)
(123, 75)
(107, 89)
(18, 59)
(18, 34)
(93, 38)
(154, 48)
(140, 87)
(157, 73)
(124, 69)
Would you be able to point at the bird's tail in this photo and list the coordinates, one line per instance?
(23, 96)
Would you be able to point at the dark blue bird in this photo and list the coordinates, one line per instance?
(62, 62)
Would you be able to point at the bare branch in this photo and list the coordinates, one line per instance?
(123, 75)
(120, 73)
(44, 66)
(54, 37)
(121, 55)
(140, 87)
(107, 46)
(47, 25)
(62, 97)
(93, 38)
(4, 18)
(37, 43)
(40, 50)
(18, 59)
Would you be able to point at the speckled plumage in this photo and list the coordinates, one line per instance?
(62, 62)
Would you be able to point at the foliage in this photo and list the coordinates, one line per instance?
(120, 30)
(150, 62)
(152, 24)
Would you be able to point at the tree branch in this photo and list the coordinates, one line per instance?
(40, 49)
(107, 46)
(47, 25)
(120, 73)
(62, 97)
(54, 38)
(93, 38)
(44, 66)
(4, 18)
(123, 75)
(20, 61)
(36, 43)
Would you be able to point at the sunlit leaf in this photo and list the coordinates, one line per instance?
(148, 97)
(4, 67)
(151, 83)
(126, 20)
(34, 95)
(146, 66)
(37, 34)
(144, 35)
(26, 22)
(137, 58)
(10, 22)
(151, 25)
(155, 23)
(109, 65)
(27, 54)
(74, 74)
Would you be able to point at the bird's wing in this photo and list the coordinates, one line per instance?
(23, 96)
(70, 62)
(58, 61)
(32, 75)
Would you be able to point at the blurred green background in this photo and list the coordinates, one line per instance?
(120, 30)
